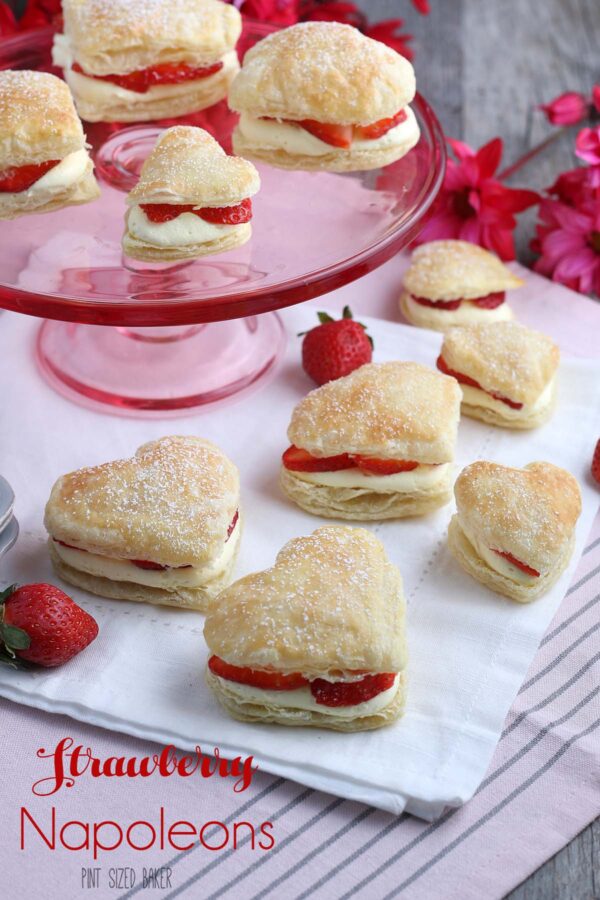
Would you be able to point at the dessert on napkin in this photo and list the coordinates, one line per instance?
(162, 527)
(44, 163)
(376, 444)
(316, 640)
(137, 60)
(191, 199)
(320, 95)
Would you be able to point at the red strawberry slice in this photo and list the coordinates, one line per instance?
(490, 301)
(147, 564)
(447, 305)
(232, 525)
(349, 693)
(517, 562)
(378, 129)
(227, 215)
(465, 379)
(163, 73)
(41, 624)
(335, 135)
(270, 681)
(596, 463)
(372, 466)
(297, 460)
(22, 177)
(164, 212)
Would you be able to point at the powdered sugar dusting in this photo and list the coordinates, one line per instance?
(25, 94)
(456, 269)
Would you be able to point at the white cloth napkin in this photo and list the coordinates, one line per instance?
(144, 675)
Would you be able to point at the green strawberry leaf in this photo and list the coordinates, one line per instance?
(346, 313)
(9, 659)
(324, 318)
(14, 638)
(5, 594)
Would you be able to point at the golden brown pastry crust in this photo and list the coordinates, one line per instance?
(360, 504)
(182, 597)
(360, 160)
(399, 410)
(440, 320)
(253, 712)
(503, 357)
(331, 604)
(181, 100)
(38, 121)
(112, 37)
(521, 422)
(530, 513)
(450, 269)
(323, 71)
(137, 249)
(82, 191)
(466, 555)
(187, 165)
(172, 503)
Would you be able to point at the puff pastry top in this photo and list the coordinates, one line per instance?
(38, 120)
(331, 603)
(171, 503)
(187, 165)
(398, 410)
(113, 37)
(453, 270)
(529, 512)
(323, 71)
(505, 357)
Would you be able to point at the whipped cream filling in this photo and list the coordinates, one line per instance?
(468, 313)
(68, 171)
(496, 562)
(303, 699)
(476, 397)
(277, 135)
(99, 92)
(424, 477)
(187, 229)
(168, 579)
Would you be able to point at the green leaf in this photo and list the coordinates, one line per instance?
(13, 662)
(346, 313)
(5, 594)
(324, 318)
(370, 339)
(14, 638)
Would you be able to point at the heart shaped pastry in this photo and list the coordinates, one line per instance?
(161, 527)
(191, 200)
(318, 639)
(515, 528)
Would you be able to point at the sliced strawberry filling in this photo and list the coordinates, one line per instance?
(163, 73)
(517, 562)
(328, 693)
(216, 215)
(22, 177)
(465, 379)
(490, 301)
(297, 460)
(343, 135)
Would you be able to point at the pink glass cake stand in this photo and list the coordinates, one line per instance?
(161, 354)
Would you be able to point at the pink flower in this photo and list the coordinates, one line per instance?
(422, 6)
(8, 23)
(332, 11)
(279, 12)
(569, 241)
(577, 185)
(473, 206)
(587, 145)
(387, 33)
(567, 109)
(596, 97)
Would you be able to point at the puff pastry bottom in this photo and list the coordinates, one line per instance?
(466, 555)
(335, 161)
(438, 320)
(361, 504)
(253, 712)
(23, 203)
(184, 598)
(137, 249)
(491, 417)
(199, 95)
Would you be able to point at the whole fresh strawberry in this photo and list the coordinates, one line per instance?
(41, 624)
(335, 348)
(596, 463)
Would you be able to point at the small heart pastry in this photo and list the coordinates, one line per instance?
(377, 444)
(316, 640)
(191, 200)
(506, 371)
(162, 527)
(514, 529)
(455, 283)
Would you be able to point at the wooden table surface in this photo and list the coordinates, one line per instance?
(485, 65)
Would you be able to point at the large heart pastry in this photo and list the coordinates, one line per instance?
(327, 619)
(515, 528)
(160, 527)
